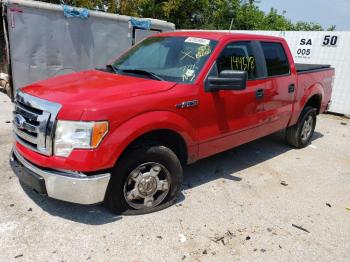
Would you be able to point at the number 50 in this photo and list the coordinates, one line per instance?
(330, 40)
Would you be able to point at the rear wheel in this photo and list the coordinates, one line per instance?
(301, 133)
(145, 180)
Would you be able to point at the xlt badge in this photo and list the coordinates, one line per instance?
(186, 104)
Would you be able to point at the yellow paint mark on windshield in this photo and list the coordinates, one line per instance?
(203, 51)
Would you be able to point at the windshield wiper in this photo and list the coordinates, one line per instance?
(144, 72)
(114, 68)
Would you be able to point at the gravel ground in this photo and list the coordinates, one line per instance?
(263, 201)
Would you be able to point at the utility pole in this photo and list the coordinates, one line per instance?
(231, 24)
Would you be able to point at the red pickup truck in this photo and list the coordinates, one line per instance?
(121, 134)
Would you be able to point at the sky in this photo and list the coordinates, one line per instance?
(324, 12)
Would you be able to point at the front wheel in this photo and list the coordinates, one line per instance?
(145, 180)
(301, 133)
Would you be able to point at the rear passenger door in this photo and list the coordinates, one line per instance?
(279, 92)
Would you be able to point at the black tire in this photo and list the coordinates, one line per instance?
(115, 199)
(294, 135)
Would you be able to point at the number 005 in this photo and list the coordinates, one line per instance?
(302, 51)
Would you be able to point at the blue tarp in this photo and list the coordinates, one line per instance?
(70, 11)
(141, 23)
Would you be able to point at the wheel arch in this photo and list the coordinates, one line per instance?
(167, 137)
(168, 128)
(312, 96)
(314, 101)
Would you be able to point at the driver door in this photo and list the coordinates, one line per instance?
(232, 117)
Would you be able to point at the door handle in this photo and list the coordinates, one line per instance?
(291, 88)
(259, 93)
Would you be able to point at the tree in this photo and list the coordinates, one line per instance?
(128, 7)
(275, 21)
(150, 8)
(112, 6)
(184, 13)
(248, 17)
(305, 26)
(217, 14)
(331, 28)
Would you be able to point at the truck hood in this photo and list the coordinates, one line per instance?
(88, 89)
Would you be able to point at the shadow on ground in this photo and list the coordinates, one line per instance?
(223, 165)
(85, 214)
(227, 164)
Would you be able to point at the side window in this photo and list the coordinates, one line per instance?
(238, 56)
(276, 59)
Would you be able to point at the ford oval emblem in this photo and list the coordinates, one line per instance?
(19, 121)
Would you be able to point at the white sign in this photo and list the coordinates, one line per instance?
(196, 40)
(304, 47)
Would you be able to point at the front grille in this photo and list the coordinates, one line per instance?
(34, 121)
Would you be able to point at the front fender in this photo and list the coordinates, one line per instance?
(124, 134)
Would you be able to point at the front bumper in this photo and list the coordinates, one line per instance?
(67, 186)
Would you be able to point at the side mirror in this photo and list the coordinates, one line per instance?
(227, 80)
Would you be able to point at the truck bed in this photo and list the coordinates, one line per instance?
(305, 68)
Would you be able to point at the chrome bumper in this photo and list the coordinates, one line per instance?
(66, 186)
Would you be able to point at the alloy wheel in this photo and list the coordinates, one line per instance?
(147, 186)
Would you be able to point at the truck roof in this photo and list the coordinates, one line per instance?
(219, 35)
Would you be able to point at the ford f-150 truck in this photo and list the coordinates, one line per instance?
(122, 134)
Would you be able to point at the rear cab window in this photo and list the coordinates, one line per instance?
(276, 59)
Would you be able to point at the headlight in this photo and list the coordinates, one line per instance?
(73, 134)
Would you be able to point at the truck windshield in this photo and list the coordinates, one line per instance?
(174, 59)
